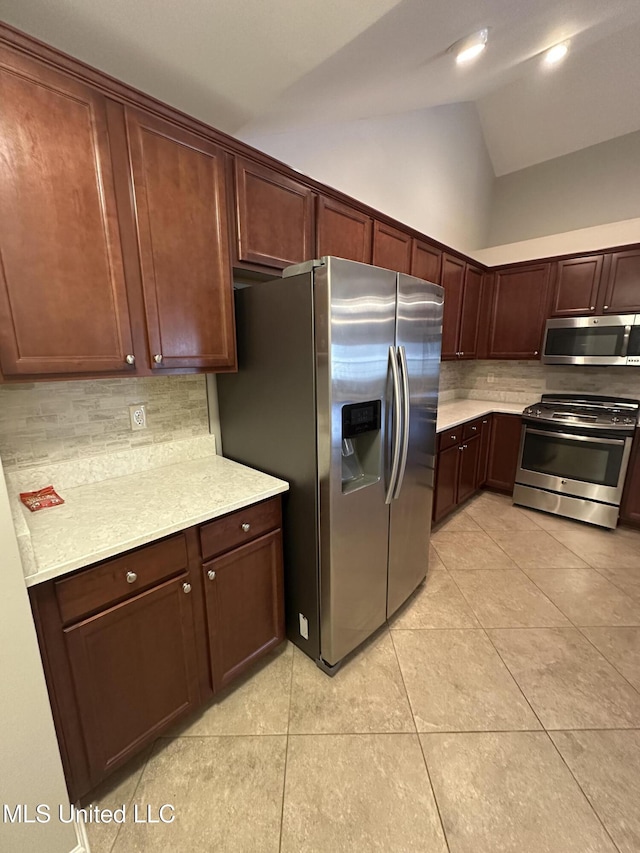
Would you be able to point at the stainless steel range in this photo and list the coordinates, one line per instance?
(574, 454)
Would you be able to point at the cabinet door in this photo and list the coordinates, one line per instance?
(181, 217)
(391, 248)
(134, 671)
(245, 606)
(453, 283)
(446, 496)
(630, 508)
(470, 316)
(274, 217)
(343, 231)
(426, 261)
(504, 449)
(518, 312)
(622, 293)
(575, 289)
(468, 473)
(63, 303)
(483, 461)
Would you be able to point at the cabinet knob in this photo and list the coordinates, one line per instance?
(460, 353)
(246, 527)
(593, 308)
(461, 447)
(130, 359)
(606, 307)
(485, 422)
(186, 587)
(132, 577)
(454, 438)
(474, 429)
(211, 575)
(158, 358)
(535, 352)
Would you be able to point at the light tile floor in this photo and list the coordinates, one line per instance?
(499, 711)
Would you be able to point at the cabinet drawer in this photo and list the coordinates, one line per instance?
(449, 437)
(239, 527)
(472, 428)
(104, 584)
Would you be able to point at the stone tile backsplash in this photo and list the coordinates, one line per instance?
(42, 423)
(525, 381)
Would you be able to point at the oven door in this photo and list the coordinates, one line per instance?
(588, 340)
(585, 466)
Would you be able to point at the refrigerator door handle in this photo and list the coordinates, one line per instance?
(406, 413)
(396, 426)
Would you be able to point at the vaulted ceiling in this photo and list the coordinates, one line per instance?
(252, 66)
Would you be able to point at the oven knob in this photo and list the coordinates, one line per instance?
(628, 420)
(538, 412)
(564, 482)
(614, 420)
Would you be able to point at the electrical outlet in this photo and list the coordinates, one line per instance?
(138, 415)
(491, 378)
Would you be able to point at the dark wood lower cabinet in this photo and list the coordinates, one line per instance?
(630, 508)
(133, 644)
(461, 465)
(134, 671)
(244, 599)
(504, 447)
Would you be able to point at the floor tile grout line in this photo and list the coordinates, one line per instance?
(581, 789)
(134, 792)
(617, 586)
(404, 683)
(286, 751)
(433, 793)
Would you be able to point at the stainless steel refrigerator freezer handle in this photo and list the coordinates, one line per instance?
(402, 357)
(396, 426)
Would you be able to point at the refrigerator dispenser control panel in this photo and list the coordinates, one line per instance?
(360, 417)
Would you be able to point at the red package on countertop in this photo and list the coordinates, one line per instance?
(41, 499)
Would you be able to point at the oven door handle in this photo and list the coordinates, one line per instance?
(571, 437)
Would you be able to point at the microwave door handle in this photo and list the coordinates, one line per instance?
(553, 434)
(396, 418)
(406, 413)
(625, 342)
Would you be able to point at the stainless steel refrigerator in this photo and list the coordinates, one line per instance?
(337, 392)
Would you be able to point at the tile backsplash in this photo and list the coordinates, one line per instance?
(42, 423)
(525, 381)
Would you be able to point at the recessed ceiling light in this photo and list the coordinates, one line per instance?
(470, 47)
(556, 53)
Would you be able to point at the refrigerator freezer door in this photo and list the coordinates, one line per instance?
(355, 308)
(419, 331)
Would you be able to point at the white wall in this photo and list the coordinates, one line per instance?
(429, 169)
(595, 186)
(30, 767)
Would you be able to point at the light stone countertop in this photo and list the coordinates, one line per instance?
(458, 411)
(102, 519)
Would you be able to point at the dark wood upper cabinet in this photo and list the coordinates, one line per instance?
(453, 270)
(426, 261)
(391, 248)
(575, 286)
(181, 217)
(470, 317)
(343, 231)
(519, 300)
(274, 217)
(63, 303)
(622, 293)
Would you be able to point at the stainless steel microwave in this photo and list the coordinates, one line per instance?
(593, 340)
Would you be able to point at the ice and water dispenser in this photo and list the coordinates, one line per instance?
(361, 449)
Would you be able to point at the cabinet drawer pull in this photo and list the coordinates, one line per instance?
(158, 358)
(186, 587)
(454, 438)
(474, 429)
(132, 577)
(130, 359)
(211, 575)
(246, 526)
(485, 422)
